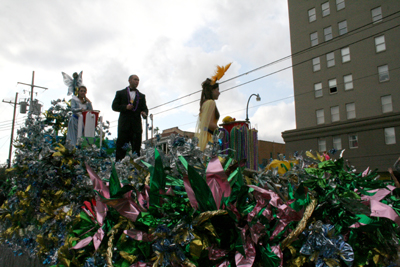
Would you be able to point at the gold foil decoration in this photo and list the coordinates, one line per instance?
(314, 255)
(292, 250)
(332, 262)
(196, 246)
(130, 258)
(301, 225)
(207, 215)
(182, 236)
(297, 262)
(188, 263)
(210, 227)
(10, 169)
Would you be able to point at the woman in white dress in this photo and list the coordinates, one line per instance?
(79, 104)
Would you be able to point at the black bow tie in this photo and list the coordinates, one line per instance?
(130, 89)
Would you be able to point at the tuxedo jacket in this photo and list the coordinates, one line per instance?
(129, 120)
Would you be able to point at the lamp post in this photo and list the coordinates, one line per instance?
(151, 118)
(247, 108)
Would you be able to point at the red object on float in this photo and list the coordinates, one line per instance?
(95, 112)
(229, 125)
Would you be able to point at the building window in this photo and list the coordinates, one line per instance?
(386, 103)
(342, 27)
(376, 14)
(316, 64)
(328, 33)
(345, 54)
(318, 90)
(321, 145)
(314, 38)
(332, 86)
(348, 82)
(325, 9)
(380, 43)
(320, 116)
(383, 73)
(330, 59)
(340, 5)
(353, 141)
(337, 143)
(351, 111)
(390, 136)
(335, 114)
(312, 15)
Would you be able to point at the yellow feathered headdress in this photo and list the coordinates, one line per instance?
(219, 73)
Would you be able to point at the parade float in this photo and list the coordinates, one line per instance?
(74, 206)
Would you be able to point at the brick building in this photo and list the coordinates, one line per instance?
(268, 150)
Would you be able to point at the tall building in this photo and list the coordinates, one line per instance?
(346, 75)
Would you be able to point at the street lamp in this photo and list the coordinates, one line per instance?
(151, 118)
(247, 108)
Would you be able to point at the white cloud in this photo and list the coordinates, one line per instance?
(272, 120)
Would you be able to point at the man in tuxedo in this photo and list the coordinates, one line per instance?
(131, 104)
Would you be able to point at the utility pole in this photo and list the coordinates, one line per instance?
(15, 110)
(32, 85)
(12, 128)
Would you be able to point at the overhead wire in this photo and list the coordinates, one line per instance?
(334, 39)
(9, 127)
(10, 121)
(340, 37)
(5, 142)
(299, 94)
(280, 70)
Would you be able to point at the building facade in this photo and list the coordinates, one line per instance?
(268, 150)
(346, 66)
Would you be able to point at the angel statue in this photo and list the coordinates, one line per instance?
(73, 83)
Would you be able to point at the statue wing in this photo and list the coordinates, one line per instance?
(79, 82)
(68, 81)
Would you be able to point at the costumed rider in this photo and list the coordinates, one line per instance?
(209, 114)
(79, 103)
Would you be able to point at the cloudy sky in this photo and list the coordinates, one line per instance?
(171, 45)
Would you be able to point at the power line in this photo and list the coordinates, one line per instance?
(334, 39)
(348, 34)
(9, 122)
(231, 112)
(280, 70)
(197, 100)
(284, 98)
(6, 141)
(175, 100)
(7, 128)
(307, 92)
